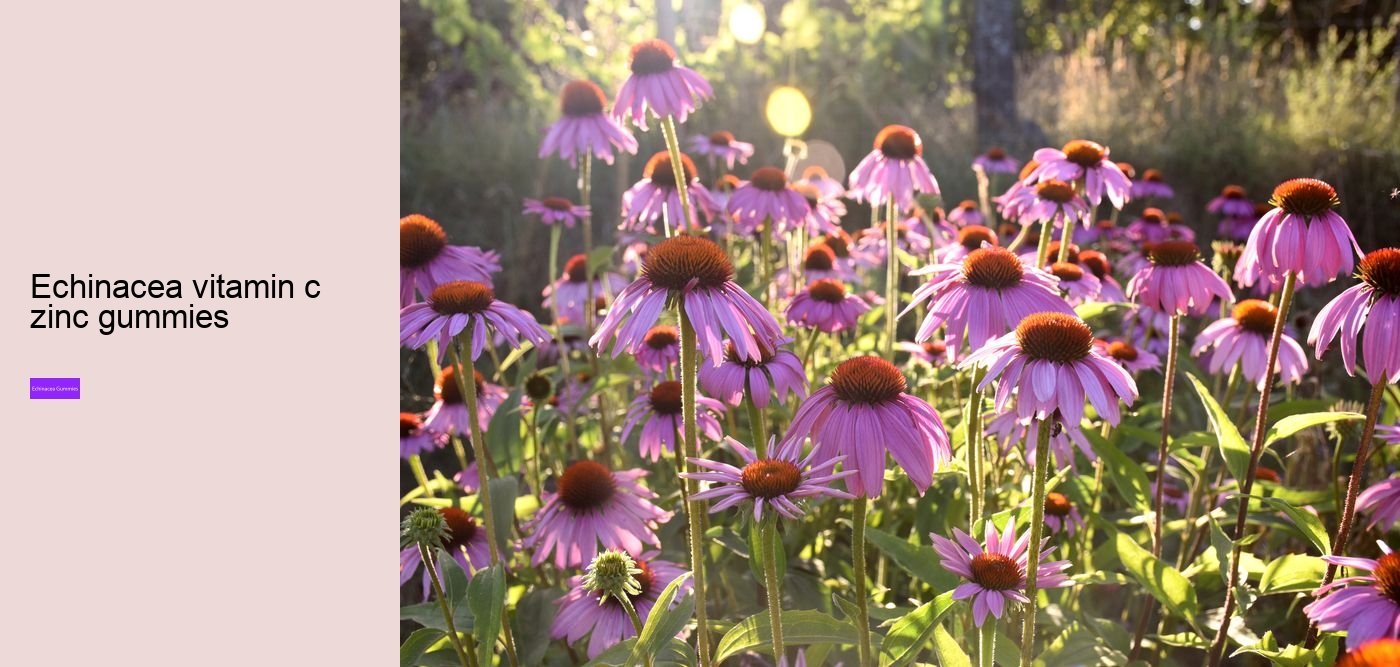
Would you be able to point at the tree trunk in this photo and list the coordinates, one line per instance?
(994, 71)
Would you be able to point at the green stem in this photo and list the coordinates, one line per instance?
(631, 610)
(468, 388)
(555, 231)
(891, 278)
(975, 457)
(673, 147)
(585, 192)
(1173, 341)
(861, 504)
(689, 443)
(987, 643)
(428, 562)
(1358, 473)
(1042, 462)
(1042, 251)
(415, 462)
(773, 583)
(1066, 237)
(1217, 649)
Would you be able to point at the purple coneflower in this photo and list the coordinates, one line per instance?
(553, 210)
(779, 372)
(1155, 226)
(1128, 356)
(572, 289)
(1301, 234)
(780, 481)
(966, 213)
(656, 199)
(1374, 305)
(722, 145)
(1012, 202)
(449, 414)
(766, 198)
(426, 261)
(1232, 203)
(1089, 161)
(660, 350)
(720, 193)
(1097, 263)
(909, 237)
(825, 213)
(1079, 286)
(1061, 514)
(1369, 610)
(594, 505)
(825, 305)
(1054, 202)
(1243, 338)
(970, 237)
(864, 412)
(818, 262)
(697, 274)
(1151, 185)
(583, 127)
(659, 84)
(830, 188)
(996, 572)
(584, 613)
(453, 307)
(932, 352)
(1177, 282)
(413, 438)
(465, 542)
(983, 296)
(1382, 501)
(995, 161)
(894, 170)
(1051, 357)
(658, 412)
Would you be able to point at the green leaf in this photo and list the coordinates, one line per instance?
(417, 644)
(1307, 522)
(1092, 309)
(486, 596)
(1233, 448)
(674, 652)
(1290, 425)
(1128, 477)
(1223, 548)
(1292, 573)
(533, 615)
(916, 560)
(1185, 640)
(910, 633)
(504, 491)
(1161, 580)
(949, 653)
(502, 435)
(847, 607)
(665, 621)
(799, 627)
(755, 546)
(1295, 655)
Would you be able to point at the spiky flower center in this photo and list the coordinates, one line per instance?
(1067, 271)
(420, 240)
(765, 355)
(1383, 652)
(769, 179)
(899, 142)
(993, 268)
(868, 380)
(1096, 262)
(1122, 351)
(1054, 251)
(586, 485)
(995, 572)
(577, 268)
(1255, 316)
(1381, 270)
(995, 153)
(652, 56)
(666, 398)
(827, 290)
(726, 183)
(819, 257)
(1054, 190)
(409, 424)
(1084, 153)
(1387, 574)
(770, 478)
(461, 525)
(839, 242)
(557, 204)
(661, 337)
(1154, 216)
(582, 98)
(967, 205)
(721, 138)
(1174, 253)
(973, 236)
(935, 348)
(449, 392)
(675, 262)
(1305, 196)
(1057, 504)
(538, 387)
(461, 297)
(1152, 176)
(1232, 192)
(1056, 337)
(663, 175)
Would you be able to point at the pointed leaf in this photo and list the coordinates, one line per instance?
(1128, 477)
(949, 653)
(1233, 448)
(799, 627)
(486, 596)
(1290, 425)
(665, 621)
(418, 644)
(1308, 524)
(910, 634)
(1292, 573)
(1163, 581)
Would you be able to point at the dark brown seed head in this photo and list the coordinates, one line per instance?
(582, 98)
(899, 142)
(1096, 262)
(827, 290)
(1232, 192)
(461, 297)
(868, 380)
(721, 138)
(586, 485)
(661, 337)
(995, 572)
(770, 179)
(461, 527)
(967, 205)
(449, 392)
(675, 262)
(1305, 196)
(1387, 574)
(663, 175)
(652, 56)
(1057, 504)
(1122, 351)
(819, 257)
(770, 478)
(577, 268)
(1056, 337)
(973, 236)
(1053, 252)
(1174, 253)
(1126, 168)
(666, 398)
(1255, 316)
(538, 387)
(839, 242)
(995, 153)
(726, 183)
(1026, 169)
(1152, 176)
(994, 268)
(1084, 153)
(420, 240)
(1154, 215)
(1381, 270)
(1067, 271)
(1056, 191)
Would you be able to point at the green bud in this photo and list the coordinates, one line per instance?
(425, 526)
(613, 573)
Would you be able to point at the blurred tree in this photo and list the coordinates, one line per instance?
(994, 70)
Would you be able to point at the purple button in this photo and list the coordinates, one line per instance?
(55, 388)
